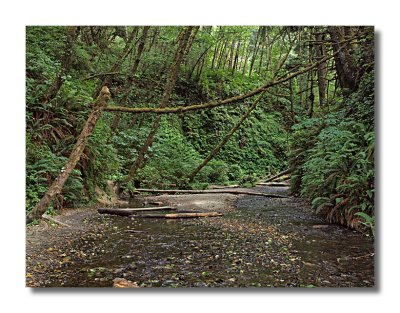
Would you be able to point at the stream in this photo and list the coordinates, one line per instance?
(261, 242)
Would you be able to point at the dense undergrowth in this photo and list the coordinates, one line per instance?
(180, 145)
(333, 160)
(329, 149)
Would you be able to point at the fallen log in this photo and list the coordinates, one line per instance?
(224, 187)
(270, 179)
(235, 192)
(47, 217)
(178, 215)
(130, 211)
(273, 184)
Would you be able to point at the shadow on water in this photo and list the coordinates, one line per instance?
(201, 253)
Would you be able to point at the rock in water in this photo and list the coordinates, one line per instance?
(123, 283)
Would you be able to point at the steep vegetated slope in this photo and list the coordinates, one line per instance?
(319, 123)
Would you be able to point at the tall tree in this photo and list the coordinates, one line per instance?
(222, 143)
(345, 62)
(129, 78)
(186, 38)
(322, 67)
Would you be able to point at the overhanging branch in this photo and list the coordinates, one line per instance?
(228, 101)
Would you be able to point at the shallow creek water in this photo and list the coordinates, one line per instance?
(263, 242)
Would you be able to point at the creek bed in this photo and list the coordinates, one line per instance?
(263, 242)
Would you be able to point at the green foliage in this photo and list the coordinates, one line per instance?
(170, 159)
(44, 170)
(216, 171)
(249, 180)
(333, 161)
(235, 172)
(331, 155)
(104, 159)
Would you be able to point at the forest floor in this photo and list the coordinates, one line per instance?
(258, 242)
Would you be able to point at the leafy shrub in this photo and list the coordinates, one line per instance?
(170, 159)
(249, 180)
(235, 172)
(217, 172)
(41, 173)
(332, 161)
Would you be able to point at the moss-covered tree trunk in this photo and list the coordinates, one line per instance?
(184, 45)
(222, 143)
(57, 185)
(346, 67)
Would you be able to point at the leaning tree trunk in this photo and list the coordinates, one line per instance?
(57, 185)
(216, 150)
(179, 55)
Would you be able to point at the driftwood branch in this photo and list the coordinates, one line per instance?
(273, 184)
(130, 211)
(179, 215)
(100, 74)
(48, 217)
(270, 179)
(235, 192)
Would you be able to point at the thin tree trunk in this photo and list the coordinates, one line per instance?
(226, 56)
(66, 63)
(255, 51)
(215, 55)
(220, 145)
(57, 185)
(311, 96)
(199, 61)
(130, 76)
(322, 67)
(179, 55)
(292, 117)
(231, 57)
(245, 61)
(311, 79)
(261, 59)
(105, 81)
(141, 121)
(133, 120)
(235, 63)
(222, 54)
(200, 69)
